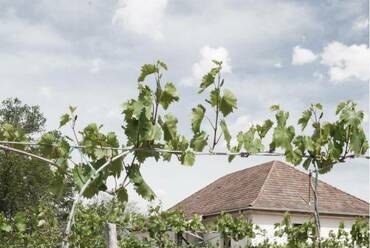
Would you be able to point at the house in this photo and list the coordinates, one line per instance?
(263, 193)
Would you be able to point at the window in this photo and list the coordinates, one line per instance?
(297, 225)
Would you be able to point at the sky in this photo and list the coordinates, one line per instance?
(88, 54)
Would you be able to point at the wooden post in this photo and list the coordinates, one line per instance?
(111, 235)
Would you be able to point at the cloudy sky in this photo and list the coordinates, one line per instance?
(88, 53)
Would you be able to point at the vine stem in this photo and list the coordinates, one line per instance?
(215, 141)
(67, 232)
(316, 202)
(8, 148)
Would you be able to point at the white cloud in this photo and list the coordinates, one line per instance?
(302, 56)
(346, 62)
(205, 63)
(361, 23)
(242, 123)
(141, 16)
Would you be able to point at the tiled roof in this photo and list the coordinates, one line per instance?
(274, 186)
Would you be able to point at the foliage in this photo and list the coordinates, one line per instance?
(24, 181)
(330, 142)
(21, 116)
(236, 228)
(40, 227)
(296, 236)
(36, 227)
(221, 101)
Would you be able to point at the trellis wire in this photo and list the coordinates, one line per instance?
(158, 150)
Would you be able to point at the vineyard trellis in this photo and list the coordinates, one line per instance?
(151, 132)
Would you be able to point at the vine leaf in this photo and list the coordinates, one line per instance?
(251, 144)
(169, 127)
(199, 141)
(207, 80)
(168, 95)
(146, 70)
(64, 119)
(305, 118)
(188, 158)
(122, 194)
(262, 130)
(141, 187)
(228, 102)
(197, 116)
(226, 133)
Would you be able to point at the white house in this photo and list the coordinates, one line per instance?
(263, 193)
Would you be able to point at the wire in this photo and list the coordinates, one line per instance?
(178, 152)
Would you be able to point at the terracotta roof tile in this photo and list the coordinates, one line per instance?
(274, 185)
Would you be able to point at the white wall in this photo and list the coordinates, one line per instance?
(267, 220)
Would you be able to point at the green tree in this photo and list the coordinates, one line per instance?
(27, 118)
(24, 181)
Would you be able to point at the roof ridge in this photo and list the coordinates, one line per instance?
(264, 183)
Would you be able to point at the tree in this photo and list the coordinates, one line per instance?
(24, 181)
(27, 118)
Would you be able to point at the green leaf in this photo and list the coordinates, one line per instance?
(251, 144)
(72, 109)
(154, 133)
(197, 116)
(318, 106)
(122, 194)
(199, 141)
(214, 97)
(168, 95)
(64, 119)
(226, 133)
(20, 221)
(140, 185)
(188, 158)
(275, 107)
(41, 223)
(78, 176)
(169, 127)
(281, 118)
(294, 157)
(207, 80)
(282, 137)
(352, 117)
(115, 168)
(263, 130)
(162, 65)
(228, 102)
(304, 119)
(340, 107)
(6, 227)
(358, 142)
(146, 70)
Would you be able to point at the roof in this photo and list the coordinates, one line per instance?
(273, 186)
